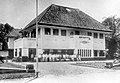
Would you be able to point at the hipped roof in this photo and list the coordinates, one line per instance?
(56, 15)
(14, 33)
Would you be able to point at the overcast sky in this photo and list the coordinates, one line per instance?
(19, 13)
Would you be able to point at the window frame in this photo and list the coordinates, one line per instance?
(89, 33)
(62, 33)
(101, 36)
(77, 32)
(95, 35)
(54, 33)
(46, 33)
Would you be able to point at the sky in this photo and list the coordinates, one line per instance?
(18, 13)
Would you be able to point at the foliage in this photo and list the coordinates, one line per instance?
(4, 31)
(17, 59)
(113, 39)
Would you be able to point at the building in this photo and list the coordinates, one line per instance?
(63, 31)
(12, 36)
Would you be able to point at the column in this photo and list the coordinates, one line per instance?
(17, 52)
(59, 32)
(51, 29)
(14, 52)
(92, 53)
(41, 40)
(98, 52)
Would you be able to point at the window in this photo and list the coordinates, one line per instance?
(71, 33)
(20, 51)
(63, 52)
(33, 33)
(55, 51)
(70, 52)
(77, 33)
(46, 51)
(90, 52)
(101, 36)
(89, 34)
(95, 52)
(0, 46)
(55, 32)
(47, 31)
(95, 35)
(63, 32)
(39, 31)
(15, 52)
(101, 53)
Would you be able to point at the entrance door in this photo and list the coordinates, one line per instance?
(32, 52)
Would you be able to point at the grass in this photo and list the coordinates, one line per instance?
(100, 65)
(16, 75)
(13, 74)
(11, 65)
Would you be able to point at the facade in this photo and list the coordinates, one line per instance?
(63, 32)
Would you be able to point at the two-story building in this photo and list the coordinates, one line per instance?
(63, 30)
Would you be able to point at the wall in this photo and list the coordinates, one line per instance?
(99, 44)
(18, 43)
(63, 42)
(11, 43)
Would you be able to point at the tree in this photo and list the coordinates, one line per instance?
(114, 38)
(4, 31)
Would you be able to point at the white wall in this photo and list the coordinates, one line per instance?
(62, 42)
(11, 43)
(99, 44)
(18, 43)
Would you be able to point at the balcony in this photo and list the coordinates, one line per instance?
(25, 43)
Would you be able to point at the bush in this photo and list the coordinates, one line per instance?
(17, 59)
(30, 66)
(25, 59)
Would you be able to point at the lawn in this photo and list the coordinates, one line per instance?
(100, 65)
(66, 68)
(16, 75)
(13, 71)
(11, 65)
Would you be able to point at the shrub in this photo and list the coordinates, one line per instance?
(25, 59)
(17, 59)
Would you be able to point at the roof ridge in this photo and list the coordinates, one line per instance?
(67, 7)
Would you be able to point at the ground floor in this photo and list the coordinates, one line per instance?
(52, 48)
(59, 54)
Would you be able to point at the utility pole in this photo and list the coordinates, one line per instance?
(36, 39)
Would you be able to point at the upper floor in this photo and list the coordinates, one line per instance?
(62, 32)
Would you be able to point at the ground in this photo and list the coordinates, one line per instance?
(64, 72)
